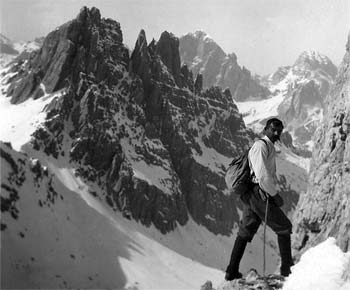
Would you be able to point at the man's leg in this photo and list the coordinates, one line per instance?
(232, 271)
(247, 228)
(281, 225)
(284, 245)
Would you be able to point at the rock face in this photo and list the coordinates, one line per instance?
(67, 47)
(139, 127)
(203, 56)
(324, 210)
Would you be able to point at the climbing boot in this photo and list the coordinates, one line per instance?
(284, 244)
(236, 256)
(233, 276)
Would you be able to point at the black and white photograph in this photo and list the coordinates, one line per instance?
(175, 144)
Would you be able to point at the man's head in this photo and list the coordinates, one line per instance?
(273, 129)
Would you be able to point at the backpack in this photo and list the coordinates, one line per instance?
(238, 177)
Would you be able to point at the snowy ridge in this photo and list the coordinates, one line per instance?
(201, 34)
(254, 112)
(313, 56)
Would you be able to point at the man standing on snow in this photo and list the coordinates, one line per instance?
(263, 167)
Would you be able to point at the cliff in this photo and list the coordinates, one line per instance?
(324, 210)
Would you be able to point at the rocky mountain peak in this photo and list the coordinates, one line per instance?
(78, 46)
(198, 44)
(90, 15)
(141, 39)
(168, 49)
(312, 60)
(233, 57)
(201, 35)
(312, 56)
(140, 59)
(203, 55)
(139, 128)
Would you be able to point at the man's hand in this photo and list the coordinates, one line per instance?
(263, 195)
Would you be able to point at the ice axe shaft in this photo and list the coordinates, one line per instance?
(264, 246)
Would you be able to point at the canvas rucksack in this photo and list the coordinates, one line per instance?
(238, 177)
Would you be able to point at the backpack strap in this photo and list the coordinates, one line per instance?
(267, 146)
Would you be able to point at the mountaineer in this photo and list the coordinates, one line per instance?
(261, 202)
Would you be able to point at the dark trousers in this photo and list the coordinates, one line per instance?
(254, 209)
(254, 213)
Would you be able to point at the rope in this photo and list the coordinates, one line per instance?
(264, 249)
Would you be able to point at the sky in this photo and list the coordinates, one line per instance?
(264, 34)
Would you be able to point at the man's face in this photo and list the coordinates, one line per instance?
(273, 132)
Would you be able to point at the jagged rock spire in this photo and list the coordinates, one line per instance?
(69, 50)
(168, 49)
(87, 14)
(141, 60)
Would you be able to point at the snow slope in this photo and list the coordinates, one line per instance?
(18, 122)
(71, 239)
(324, 267)
(255, 111)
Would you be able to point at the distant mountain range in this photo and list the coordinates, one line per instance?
(298, 91)
(204, 56)
(9, 50)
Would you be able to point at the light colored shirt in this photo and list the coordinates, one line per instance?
(262, 161)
